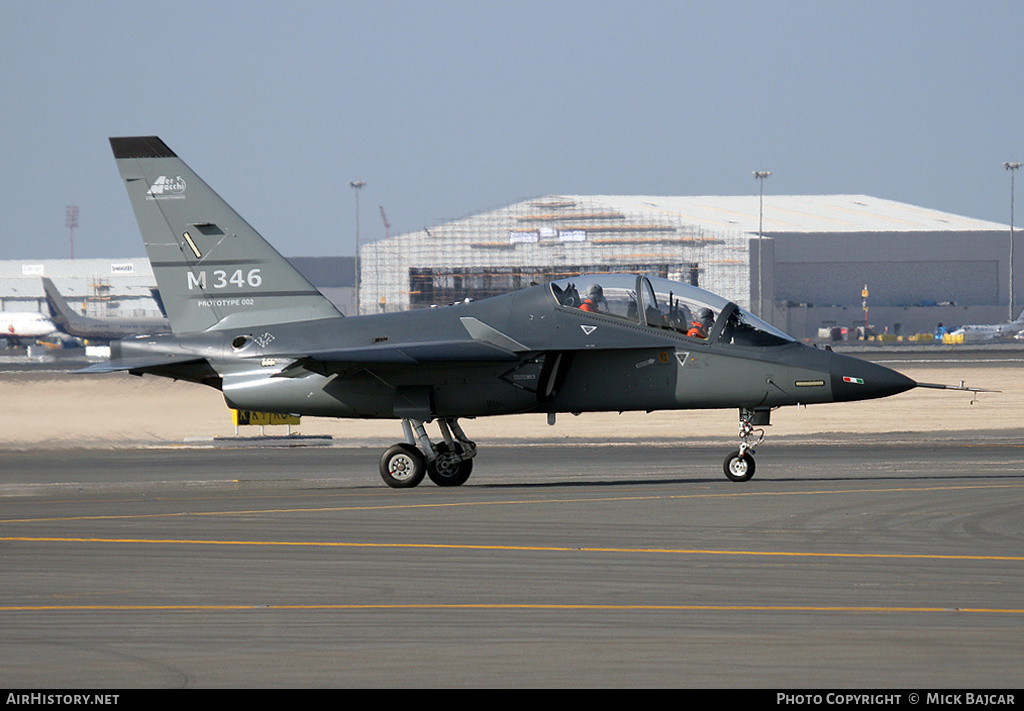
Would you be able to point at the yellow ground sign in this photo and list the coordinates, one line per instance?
(252, 417)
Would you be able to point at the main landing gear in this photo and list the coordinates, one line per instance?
(739, 465)
(447, 463)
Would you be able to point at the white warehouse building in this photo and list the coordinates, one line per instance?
(921, 266)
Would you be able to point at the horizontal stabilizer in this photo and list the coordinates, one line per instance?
(140, 364)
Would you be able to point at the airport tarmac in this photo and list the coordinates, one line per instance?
(868, 551)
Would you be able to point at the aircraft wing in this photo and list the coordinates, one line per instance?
(417, 352)
(412, 353)
(485, 344)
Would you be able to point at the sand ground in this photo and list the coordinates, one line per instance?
(118, 410)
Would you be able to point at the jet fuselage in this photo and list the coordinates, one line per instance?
(426, 364)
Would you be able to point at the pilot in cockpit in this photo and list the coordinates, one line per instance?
(701, 326)
(595, 297)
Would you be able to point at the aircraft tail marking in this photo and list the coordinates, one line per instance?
(214, 271)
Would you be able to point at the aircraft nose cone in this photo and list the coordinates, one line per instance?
(856, 379)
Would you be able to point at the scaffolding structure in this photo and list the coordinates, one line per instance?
(539, 240)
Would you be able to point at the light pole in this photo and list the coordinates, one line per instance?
(356, 185)
(1012, 167)
(71, 222)
(760, 175)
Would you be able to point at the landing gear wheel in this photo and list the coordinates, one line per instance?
(402, 466)
(448, 471)
(739, 467)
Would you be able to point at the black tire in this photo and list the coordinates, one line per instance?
(738, 468)
(402, 466)
(444, 472)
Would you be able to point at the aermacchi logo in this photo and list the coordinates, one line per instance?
(164, 188)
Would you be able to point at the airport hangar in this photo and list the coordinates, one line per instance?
(921, 266)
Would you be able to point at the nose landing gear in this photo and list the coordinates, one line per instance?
(739, 465)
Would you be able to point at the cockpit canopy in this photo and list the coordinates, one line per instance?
(668, 305)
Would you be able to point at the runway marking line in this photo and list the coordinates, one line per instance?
(509, 502)
(514, 549)
(507, 606)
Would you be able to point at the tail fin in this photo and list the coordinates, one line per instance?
(214, 271)
(60, 312)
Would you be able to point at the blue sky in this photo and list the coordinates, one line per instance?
(447, 108)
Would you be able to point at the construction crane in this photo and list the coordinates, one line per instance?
(387, 225)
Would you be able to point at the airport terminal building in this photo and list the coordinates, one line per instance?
(807, 271)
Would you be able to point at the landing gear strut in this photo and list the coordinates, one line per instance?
(739, 465)
(447, 463)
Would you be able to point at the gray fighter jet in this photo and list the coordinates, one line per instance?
(245, 322)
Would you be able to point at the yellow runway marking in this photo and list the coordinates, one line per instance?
(509, 502)
(514, 549)
(509, 606)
